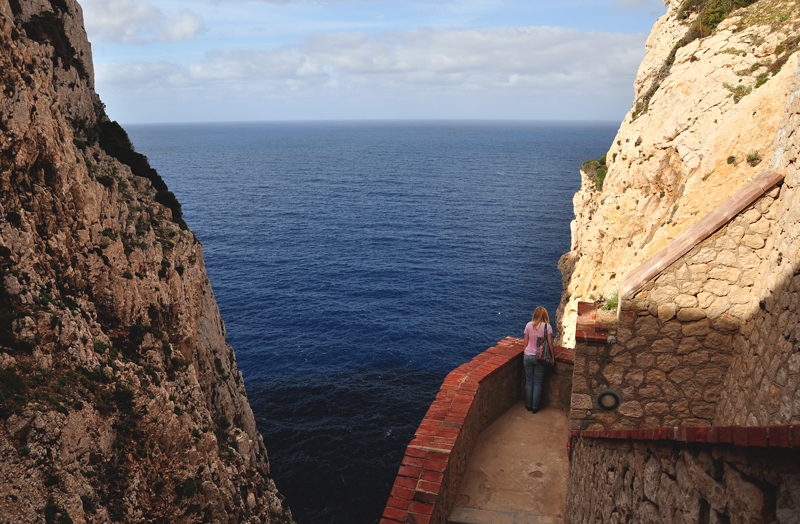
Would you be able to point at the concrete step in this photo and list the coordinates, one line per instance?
(517, 473)
(485, 516)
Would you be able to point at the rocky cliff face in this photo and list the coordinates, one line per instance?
(710, 97)
(120, 400)
(706, 334)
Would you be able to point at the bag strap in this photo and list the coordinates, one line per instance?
(540, 340)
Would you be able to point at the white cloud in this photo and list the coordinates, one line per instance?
(183, 25)
(423, 59)
(138, 21)
(524, 72)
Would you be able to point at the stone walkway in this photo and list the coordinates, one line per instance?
(518, 471)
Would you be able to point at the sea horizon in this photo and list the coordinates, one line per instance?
(424, 121)
(356, 264)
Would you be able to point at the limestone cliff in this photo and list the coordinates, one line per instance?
(711, 94)
(120, 400)
(706, 336)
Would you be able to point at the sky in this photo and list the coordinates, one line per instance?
(278, 60)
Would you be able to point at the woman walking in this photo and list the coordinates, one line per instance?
(537, 328)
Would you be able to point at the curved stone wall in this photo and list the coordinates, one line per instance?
(472, 397)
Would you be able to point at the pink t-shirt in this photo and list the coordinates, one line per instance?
(534, 335)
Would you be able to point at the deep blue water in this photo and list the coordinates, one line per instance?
(356, 264)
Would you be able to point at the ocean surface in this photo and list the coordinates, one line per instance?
(356, 264)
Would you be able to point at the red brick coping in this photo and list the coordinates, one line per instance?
(587, 328)
(718, 217)
(430, 474)
(780, 436)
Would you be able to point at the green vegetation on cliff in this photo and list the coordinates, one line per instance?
(712, 12)
(708, 15)
(596, 170)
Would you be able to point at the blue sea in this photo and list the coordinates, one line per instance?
(357, 263)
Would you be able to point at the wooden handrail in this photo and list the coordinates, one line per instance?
(704, 228)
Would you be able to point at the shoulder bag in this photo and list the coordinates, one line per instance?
(544, 355)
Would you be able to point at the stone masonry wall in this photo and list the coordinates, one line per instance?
(614, 481)
(556, 388)
(762, 385)
(674, 341)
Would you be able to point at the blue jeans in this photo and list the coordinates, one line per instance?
(533, 381)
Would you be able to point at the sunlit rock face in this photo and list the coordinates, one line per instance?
(710, 336)
(120, 399)
(705, 121)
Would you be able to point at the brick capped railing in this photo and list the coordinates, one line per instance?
(471, 397)
(587, 327)
(780, 436)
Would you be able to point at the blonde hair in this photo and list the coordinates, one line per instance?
(539, 316)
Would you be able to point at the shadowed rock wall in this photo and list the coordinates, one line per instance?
(762, 385)
(120, 400)
(629, 481)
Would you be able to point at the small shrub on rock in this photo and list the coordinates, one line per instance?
(596, 170)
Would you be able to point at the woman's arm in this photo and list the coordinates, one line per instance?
(550, 337)
(526, 339)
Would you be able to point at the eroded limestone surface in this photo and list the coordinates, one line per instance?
(120, 400)
(698, 130)
(712, 338)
